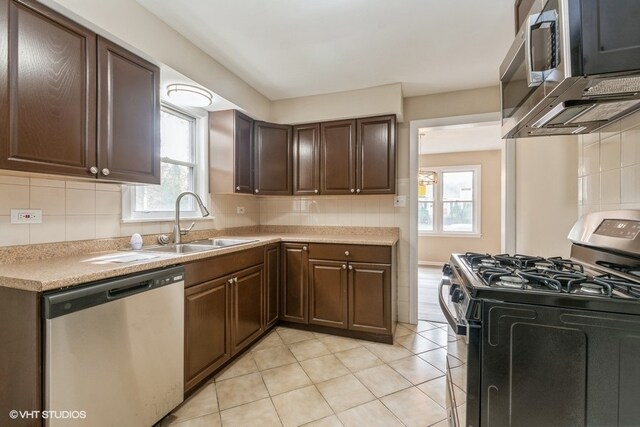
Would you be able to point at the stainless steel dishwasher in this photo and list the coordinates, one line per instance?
(114, 351)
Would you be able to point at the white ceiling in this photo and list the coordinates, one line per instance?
(292, 48)
(458, 138)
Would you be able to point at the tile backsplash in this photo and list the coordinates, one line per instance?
(609, 167)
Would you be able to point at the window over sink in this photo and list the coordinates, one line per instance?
(183, 168)
(449, 201)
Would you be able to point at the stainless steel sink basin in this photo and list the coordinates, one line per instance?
(222, 243)
(182, 248)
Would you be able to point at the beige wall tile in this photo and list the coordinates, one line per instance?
(591, 189)
(108, 202)
(13, 196)
(107, 226)
(52, 229)
(13, 234)
(630, 184)
(101, 186)
(80, 227)
(80, 202)
(81, 185)
(50, 199)
(591, 159)
(14, 180)
(610, 153)
(46, 182)
(610, 187)
(631, 146)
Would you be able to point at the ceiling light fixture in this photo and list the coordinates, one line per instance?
(189, 95)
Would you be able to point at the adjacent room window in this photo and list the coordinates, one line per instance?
(449, 204)
(181, 152)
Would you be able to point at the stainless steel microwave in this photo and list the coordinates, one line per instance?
(573, 68)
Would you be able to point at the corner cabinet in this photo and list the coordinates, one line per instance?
(272, 284)
(295, 264)
(72, 103)
(306, 159)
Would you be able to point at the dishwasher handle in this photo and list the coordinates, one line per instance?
(118, 293)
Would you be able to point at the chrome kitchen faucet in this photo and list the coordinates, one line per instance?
(177, 231)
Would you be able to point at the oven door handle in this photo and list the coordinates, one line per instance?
(459, 329)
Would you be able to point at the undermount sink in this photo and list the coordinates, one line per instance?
(196, 246)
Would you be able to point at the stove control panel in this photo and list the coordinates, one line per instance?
(621, 228)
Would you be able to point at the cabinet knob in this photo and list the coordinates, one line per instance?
(350, 267)
(344, 266)
(93, 170)
(235, 280)
(304, 248)
(353, 191)
(105, 172)
(358, 191)
(347, 253)
(238, 188)
(230, 281)
(257, 191)
(315, 191)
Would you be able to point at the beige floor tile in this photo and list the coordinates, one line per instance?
(271, 340)
(416, 370)
(330, 421)
(416, 343)
(372, 414)
(211, 420)
(273, 357)
(324, 368)
(414, 408)
(388, 352)
(260, 413)
(335, 344)
(382, 380)
(285, 378)
(344, 393)
(301, 406)
(290, 336)
(402, 330)
(437, 358)
(358, 359)
(309, 349)
(241, 390)
(203, 402)
(443, 423)
(436, 335)
(423, 325)
(437, 390)
(243, 366)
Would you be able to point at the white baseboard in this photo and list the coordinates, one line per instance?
(432, 263)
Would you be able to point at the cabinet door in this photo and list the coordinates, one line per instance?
(47, 91)
(328, 293)
(272, 162)
(337, 157)
(306, 159)
(370, 298)
(128, 116)
(243, 153)
(294, 282)
(247, 317)
(206, 329)
(376, 158)
(272, 284)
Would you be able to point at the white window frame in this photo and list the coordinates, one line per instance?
(200, 173)
(438, 230)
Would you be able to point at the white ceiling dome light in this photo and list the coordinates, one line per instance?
(189, 95)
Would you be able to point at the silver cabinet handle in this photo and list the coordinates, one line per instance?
(230, 281)
(256, 190)
(344, 266)
(304, 248)
(315, 191)
(347, 253)
(353, 191)
(238, 188)
(358, 191)
(235, 279)
(93, 170)
(350, 267)
(105, 172)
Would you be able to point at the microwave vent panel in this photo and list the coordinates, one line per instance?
(553, 131)
(606, 111)
(614, 86)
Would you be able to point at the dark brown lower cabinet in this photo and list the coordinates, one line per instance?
(328, 293)
(370, 297)
(246, 307)
(272, 284)
(207, 329)
(295, 264)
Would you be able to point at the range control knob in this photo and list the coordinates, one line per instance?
(446, 270)
(457, 295)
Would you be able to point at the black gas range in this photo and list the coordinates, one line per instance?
(548, 341)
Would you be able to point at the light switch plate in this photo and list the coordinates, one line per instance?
(26, 216)
(240, 210)
(400, 201)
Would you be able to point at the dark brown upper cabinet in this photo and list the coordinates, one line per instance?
(128, 116)
(306, 159)
(72, 103)
(376, 155)
(337, 157)
(272, 159)
(230, 152)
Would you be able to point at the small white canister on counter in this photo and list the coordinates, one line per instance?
(136, 241)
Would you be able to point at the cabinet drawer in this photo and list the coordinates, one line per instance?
(218, 266)
(380, 254)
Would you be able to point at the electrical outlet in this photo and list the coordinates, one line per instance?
(400, 201)
(26, 216)
(240, 210)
